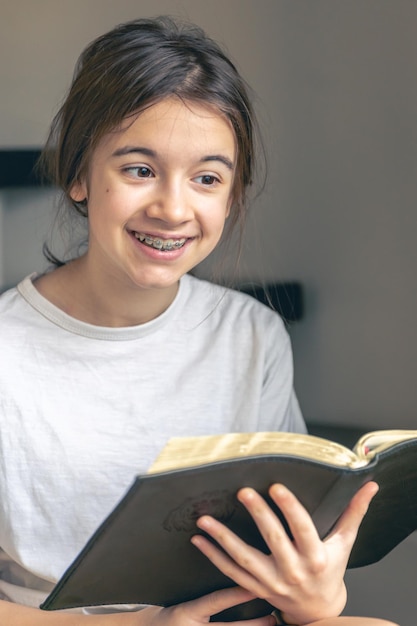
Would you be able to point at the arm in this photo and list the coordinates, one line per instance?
(194, 613)
(303, 577)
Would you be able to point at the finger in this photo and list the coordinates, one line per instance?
(218, 601)
(301, 525)
(244, 562)
(221, 600)
(269, 524)
(306, 541)
(348, 525)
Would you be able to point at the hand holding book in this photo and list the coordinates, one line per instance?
(302, 575)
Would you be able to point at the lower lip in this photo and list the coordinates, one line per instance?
(160, 255)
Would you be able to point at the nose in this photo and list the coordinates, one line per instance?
(171, 204)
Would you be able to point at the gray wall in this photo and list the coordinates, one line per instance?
(337, 95)
(337, 98)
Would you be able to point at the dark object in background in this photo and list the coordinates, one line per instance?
(285, 298)
(17, 168)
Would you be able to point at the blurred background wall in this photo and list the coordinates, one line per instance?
(336, 94)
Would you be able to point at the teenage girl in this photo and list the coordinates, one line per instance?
(112, 352)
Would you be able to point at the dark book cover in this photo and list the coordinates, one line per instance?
(142, 551)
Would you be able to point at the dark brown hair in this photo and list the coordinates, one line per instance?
(132, 67)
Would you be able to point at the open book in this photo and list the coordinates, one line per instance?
(186, 452)
(142, 552)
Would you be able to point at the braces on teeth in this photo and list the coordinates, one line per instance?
(161, 244)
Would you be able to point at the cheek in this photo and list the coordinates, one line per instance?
(107, 204)
(216, 224)
(213, 219)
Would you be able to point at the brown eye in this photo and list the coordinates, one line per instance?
(207, 179)
(139, 171)
(144, 172)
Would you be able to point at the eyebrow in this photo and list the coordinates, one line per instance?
(151, 153)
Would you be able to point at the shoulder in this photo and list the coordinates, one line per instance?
(230, 306)
(10, 300)
(212, 292)
(17, 316)
(15, 328)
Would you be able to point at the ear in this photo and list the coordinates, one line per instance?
(78, 191)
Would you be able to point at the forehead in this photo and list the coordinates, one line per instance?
(173, 125)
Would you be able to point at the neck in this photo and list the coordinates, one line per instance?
(76, 291)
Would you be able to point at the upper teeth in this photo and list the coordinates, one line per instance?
(160, 244)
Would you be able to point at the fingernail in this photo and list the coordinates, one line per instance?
(245, 493)
(195, 540)
(204, 522)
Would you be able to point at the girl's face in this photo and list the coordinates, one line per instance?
(158, 192)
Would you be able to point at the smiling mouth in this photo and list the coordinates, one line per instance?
(160, 244)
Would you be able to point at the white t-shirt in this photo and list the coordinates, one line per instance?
(83, 408)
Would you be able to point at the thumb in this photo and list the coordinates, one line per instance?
(220, 600)
(348, 525)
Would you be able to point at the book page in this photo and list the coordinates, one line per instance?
(183, 452)
(371, 444)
